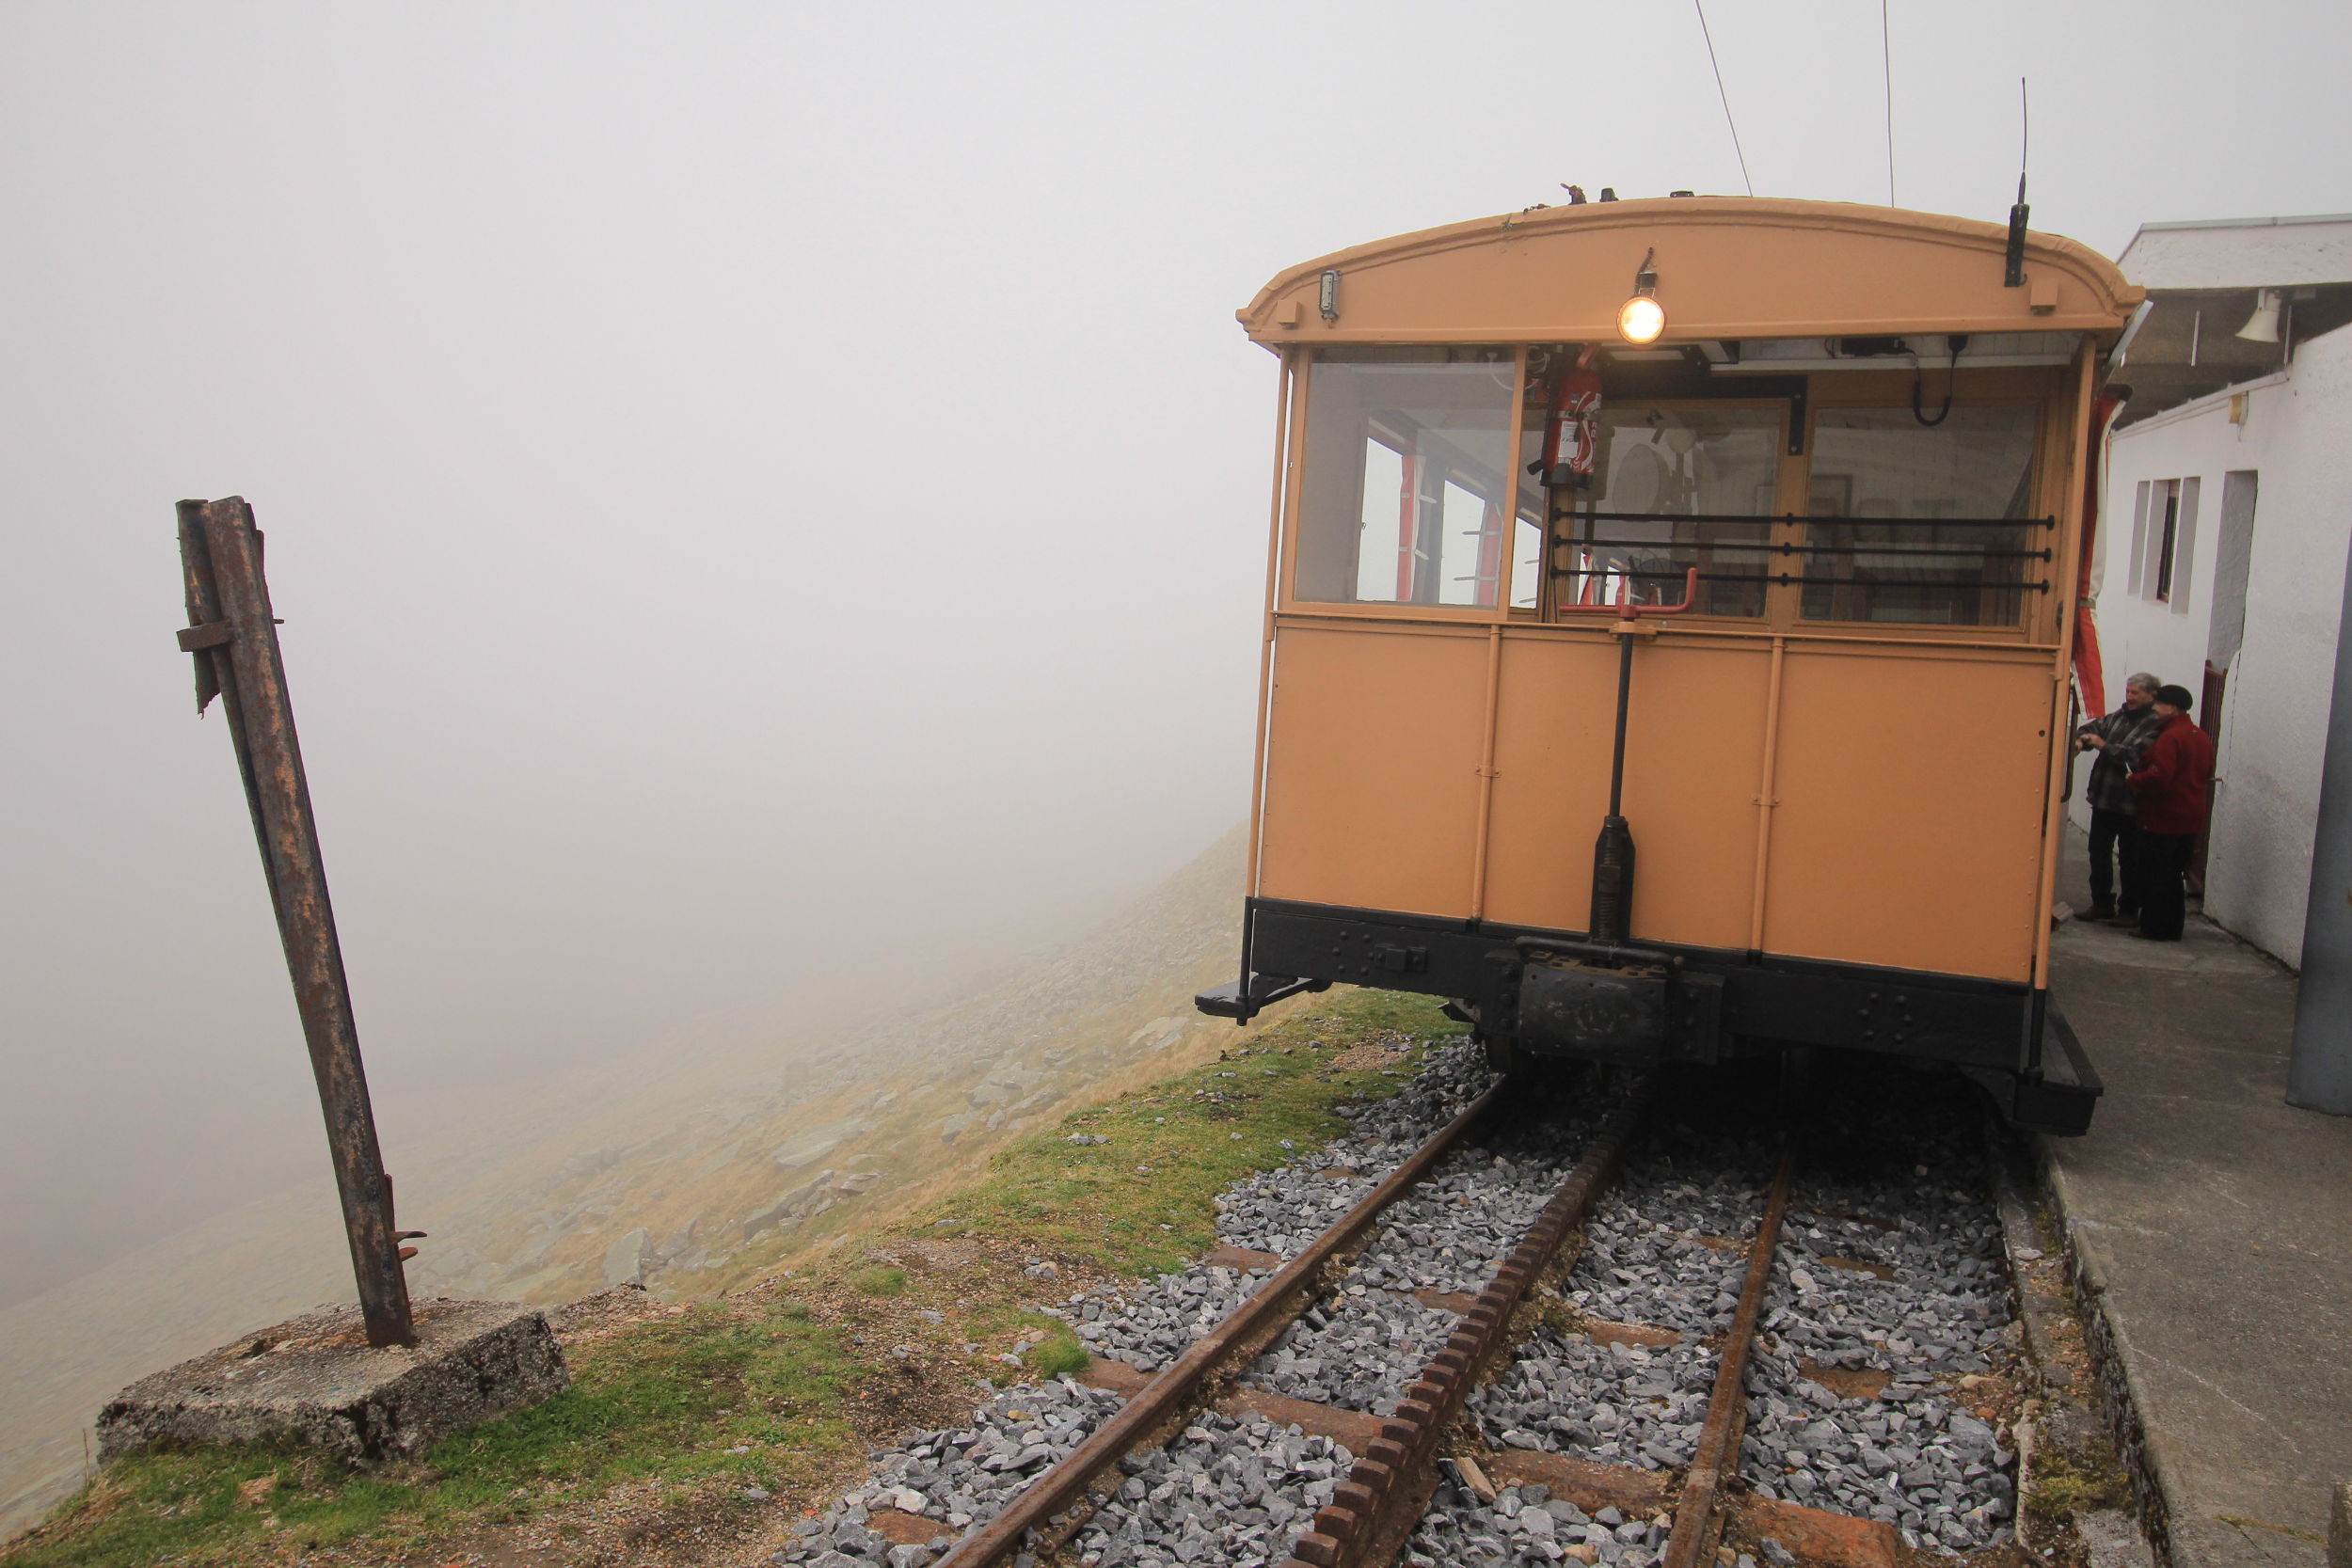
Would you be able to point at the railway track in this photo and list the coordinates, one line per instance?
(1672, 1375)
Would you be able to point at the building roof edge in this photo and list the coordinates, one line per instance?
(2246, 223)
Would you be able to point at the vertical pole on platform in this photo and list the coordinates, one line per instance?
(234, 639)
(2319, 1073)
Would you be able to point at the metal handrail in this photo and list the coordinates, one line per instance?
(2036, 584)
(1558, 514)
(1766, 547)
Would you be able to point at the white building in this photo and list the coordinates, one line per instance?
(2222, 539)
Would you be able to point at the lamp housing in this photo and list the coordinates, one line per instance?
(1640, 319)
(2263, 326)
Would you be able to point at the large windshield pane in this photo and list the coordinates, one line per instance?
(1923, 525)
(1658, 475)
(1407, 476)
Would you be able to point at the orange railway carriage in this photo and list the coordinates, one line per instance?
(1692, 686)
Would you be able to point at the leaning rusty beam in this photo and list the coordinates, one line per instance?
(1717, 1455)
(1372, 1513)
(234, 639)
(1241, 1335)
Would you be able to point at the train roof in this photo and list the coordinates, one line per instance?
(1728, 268)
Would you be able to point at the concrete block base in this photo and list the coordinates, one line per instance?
(314, 1381)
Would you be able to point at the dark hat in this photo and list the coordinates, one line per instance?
(2175, 696)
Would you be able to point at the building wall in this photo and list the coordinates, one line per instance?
(2297, 436)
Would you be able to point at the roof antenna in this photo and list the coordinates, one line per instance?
(2015, 277)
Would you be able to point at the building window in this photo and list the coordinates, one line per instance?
(2171, 542)
(2167, 509)
(2139, 539)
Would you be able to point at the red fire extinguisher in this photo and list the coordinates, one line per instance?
(1571, 429)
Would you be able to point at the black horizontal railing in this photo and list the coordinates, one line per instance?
(1571, 515)
(1821, 562)
(2035, 584)
(1765, 547)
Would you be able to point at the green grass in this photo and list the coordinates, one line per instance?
(1145, 1202)
(1059, 1354)
(880, 1281)
(664, 1401)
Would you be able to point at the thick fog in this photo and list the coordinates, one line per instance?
(768, 501)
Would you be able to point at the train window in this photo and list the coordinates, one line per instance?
(1407, 476)
(1527, 563)
(1675, 488)
(1923, 525)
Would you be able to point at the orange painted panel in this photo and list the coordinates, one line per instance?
(1557, 705)
(1695, 744)
(1909, 831)
(1372, 768)
(1694, 754)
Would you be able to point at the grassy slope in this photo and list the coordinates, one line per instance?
(785, 1384)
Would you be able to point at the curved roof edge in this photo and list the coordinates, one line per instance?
(2104, 280)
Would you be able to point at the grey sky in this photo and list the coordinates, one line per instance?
(748, 484)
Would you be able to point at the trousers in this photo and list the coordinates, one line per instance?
(2115, 845)
(2164, 891)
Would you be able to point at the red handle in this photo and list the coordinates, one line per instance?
(1689, 597)
(1631, 611)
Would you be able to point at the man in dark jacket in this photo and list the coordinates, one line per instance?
(2119, 739)
(2173, 784)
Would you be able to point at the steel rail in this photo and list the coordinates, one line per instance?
(1372, 1513)
(1245, 1331)
(1717, 1458)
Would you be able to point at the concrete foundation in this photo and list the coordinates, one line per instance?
(314, 1382)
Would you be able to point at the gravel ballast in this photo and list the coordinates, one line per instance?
(1878, 1271)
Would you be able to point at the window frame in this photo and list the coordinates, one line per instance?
(1287, 599)
(2048, 390)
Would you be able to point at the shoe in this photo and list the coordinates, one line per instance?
(2100, 911)
(2151, 936)
(2123, 919)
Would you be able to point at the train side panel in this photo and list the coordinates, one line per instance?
(1372, 768)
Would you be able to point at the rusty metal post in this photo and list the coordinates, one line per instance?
(234, 639)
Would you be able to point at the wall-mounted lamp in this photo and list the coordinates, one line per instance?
(2263, 326)
(1327, 299)
(1640, 319)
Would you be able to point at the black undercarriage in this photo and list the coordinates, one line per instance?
(1546, 995)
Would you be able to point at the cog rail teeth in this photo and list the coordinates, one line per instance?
(1056, 1505)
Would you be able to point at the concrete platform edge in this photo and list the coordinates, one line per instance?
(2119, 1396)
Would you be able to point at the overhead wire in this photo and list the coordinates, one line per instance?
(1699, 7)
(1887, 69)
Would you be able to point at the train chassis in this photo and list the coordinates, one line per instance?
(1534, 996)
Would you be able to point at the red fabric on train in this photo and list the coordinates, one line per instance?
(2090, 674)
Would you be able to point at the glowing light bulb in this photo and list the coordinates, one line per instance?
(1640, 319)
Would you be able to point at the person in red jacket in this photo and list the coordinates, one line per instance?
(2173, 786)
